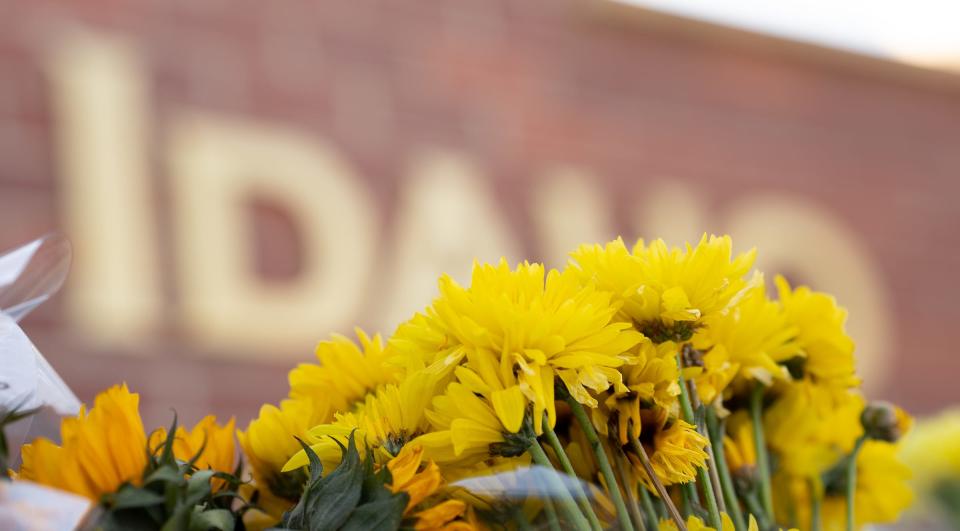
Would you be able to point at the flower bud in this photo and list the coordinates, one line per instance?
(883, 421)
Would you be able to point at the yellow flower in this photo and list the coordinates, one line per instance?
(472, 422)
(665, 291)
(932, 451)
(384, 422)
(676, 451)
(268, 443)
(753, 336)
(523, 328)
(217, 443)
(808, 425)
(344, 375)
(696, 524)
(420, 485)
(101, 449)
(882, 491)
(738, 446)
(651, 380)
(826, 348)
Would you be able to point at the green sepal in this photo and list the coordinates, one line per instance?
(211, 520)
(385, 513)
(130, 497)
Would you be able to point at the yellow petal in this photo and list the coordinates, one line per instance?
(510, 406)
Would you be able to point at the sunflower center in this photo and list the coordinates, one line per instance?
(288, 485)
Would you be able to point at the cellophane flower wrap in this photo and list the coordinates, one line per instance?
(640, 387)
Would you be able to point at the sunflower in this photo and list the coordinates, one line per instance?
(675, 448)
(344, 375)
(407, 476)
(523, 327)
(383, 422)
(268, 443)
(666, 292)
(214, 443)
(101, 449)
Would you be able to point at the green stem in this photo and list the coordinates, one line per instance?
(686, 504)
(703, 478)
(690, 498)
(653, 515)
(552, 521)
(563, 497)
(582, 500)
(632, 504)
(520, 519)
(602, 462)
(754, 508)
(714, 428)
(852, 480)
(763, 461)
(661, 490)
(816, 517)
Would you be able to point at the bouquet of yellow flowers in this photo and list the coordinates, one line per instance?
(641, 388)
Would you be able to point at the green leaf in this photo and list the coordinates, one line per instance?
(386, 513)
(198, 488)
(131, 497)
(296, 517)
(164, 474)
(166, 457)
(211, 520)
(334, 497)
(316, 466)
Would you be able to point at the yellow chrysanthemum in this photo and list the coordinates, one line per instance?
(753, 336)
(694, 523)
(217, 443)
(822, 339)
(738, 445)
(676, 451)
(651, 380)
(523, 328)
(932, 451)
(661, 286)
(268, 443)
(407, 476)
(384, 422)
(344, 375)
(808, 424)
(882, 492)
(473, 421)
(101, 449)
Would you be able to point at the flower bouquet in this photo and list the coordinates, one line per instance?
(636, 389)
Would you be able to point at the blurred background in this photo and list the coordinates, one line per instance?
(240, 179)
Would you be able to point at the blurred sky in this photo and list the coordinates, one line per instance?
(918, 31)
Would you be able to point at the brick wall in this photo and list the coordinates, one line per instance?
(516, 86)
